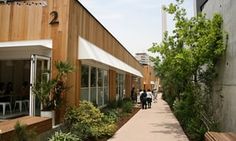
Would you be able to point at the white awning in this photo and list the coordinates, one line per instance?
(24, 49)
(27, 43)
(88, 51)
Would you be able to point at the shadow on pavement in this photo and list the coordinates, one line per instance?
(170, 128)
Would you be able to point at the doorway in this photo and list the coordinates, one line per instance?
(40, 69)
(19, 68)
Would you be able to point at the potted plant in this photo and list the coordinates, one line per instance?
(50, 92)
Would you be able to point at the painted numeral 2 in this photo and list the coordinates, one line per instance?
(54, 15)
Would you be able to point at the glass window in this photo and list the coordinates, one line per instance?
(84, 83)
(93, 85)
(100, 87)
(117, 86)
(106, 87)
(121, 89)
(120, 86)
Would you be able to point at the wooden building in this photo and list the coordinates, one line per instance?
(35, 33)
(150, 80)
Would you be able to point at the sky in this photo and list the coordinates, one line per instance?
(136, 24)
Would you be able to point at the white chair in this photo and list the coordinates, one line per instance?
(26, 103)
(21, 103)
(4, 105)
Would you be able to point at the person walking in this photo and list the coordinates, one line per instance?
(143, 99)
(154, 96)
(133, 95)
(149, 98)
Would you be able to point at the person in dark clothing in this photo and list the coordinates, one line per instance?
(133, 95)
(143, 99)
(9, 88)
(24, 91)
(2, 89)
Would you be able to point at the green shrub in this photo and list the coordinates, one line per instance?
(71, 116)
(22, 133)
(188, 110)
(168, 96)
(60, 136)
(112, 105)
(196, 129)
(87, 121)
(115, 104)
(127, 106)
(119, 103)
(111, 114)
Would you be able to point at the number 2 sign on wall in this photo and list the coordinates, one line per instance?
(54, 15)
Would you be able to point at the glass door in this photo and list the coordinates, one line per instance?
(40, 68)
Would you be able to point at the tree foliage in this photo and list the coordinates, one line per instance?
(60, 136)
(186, 65)
(87, 121)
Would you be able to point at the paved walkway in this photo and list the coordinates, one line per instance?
(155, 124)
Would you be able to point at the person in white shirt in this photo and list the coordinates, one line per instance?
(149, 98)
(138, 96)
(154, 94)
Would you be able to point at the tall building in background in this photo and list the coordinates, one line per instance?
(149, 80)
(143, 58)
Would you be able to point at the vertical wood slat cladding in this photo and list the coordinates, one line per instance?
(31, 22)
(81, 23)
(112, 85)
(75, 23)
(24, 22)
(90, 29)
(128, 85)
(5, 22)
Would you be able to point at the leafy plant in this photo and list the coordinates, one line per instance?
(63, 69)
(22, 133)
(60, 136)
(42, 90)
(111, 114)
(71, 116)
(87, 121)
(127, 106)
(51, 92)
(112, 105)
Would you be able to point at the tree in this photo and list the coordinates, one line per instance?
(186, 66)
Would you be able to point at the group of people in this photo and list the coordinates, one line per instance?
(146, 97)
(22, 92)
(8, 89)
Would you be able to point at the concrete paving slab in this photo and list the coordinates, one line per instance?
(155, 124)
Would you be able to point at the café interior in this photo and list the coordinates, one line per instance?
(14, 88)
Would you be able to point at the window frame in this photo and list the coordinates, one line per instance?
(98, 67)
